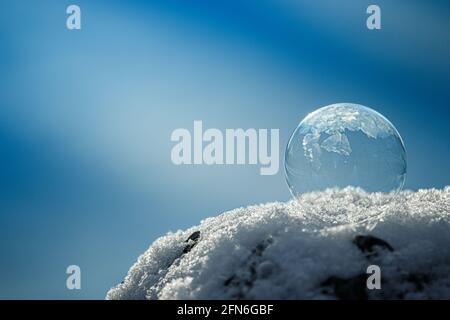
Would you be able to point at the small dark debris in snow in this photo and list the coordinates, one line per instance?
(419, 280)
(367, 243)
(189, 247)
(229, 280)
(347, 289)
(262, 246)
(194, 237)
(243, 279)
(192, 241)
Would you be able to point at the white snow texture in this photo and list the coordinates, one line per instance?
(304, 249)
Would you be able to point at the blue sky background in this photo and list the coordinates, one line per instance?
(86, 116)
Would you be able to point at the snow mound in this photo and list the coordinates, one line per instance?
(316, 248)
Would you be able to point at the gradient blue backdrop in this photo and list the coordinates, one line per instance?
(86, 116)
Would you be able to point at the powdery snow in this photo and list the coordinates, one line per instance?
(304, 250)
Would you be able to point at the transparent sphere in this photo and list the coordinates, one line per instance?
(345, 145)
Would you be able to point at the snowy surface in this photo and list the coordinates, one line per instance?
(304, 250)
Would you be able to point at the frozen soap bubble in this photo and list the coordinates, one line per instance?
(345, 145)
